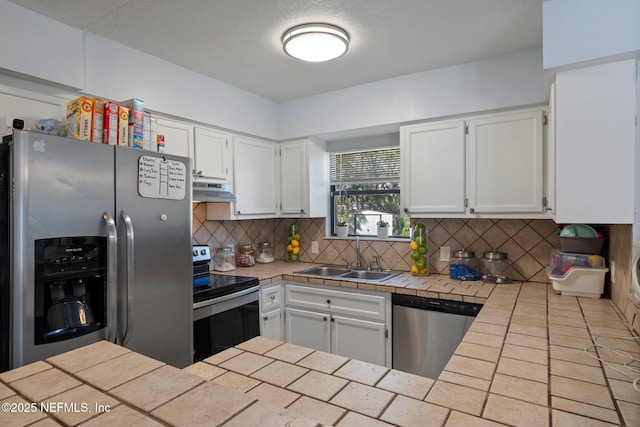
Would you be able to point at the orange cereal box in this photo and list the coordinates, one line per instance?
(79, 118)
(97, 122)
(123, 126)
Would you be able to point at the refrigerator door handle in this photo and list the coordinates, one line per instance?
(112, 274)
(128, 225)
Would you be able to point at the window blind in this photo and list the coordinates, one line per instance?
(365, 166)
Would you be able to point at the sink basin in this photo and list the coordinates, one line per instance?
(369, 275)
(344, 273)
(324, 271)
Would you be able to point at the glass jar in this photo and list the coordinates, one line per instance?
(419, 257)
(464, 266)
(293, 243)
(224, 260)
(495, 267)
(245, 256)
(265, 253)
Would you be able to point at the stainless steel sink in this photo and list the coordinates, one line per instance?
(325, 271)
(348, 274)
(369, 275)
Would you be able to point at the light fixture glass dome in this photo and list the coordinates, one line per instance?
(315, 42)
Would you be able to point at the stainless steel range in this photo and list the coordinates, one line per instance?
(225, 307)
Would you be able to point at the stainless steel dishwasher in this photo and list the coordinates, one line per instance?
(427, 331)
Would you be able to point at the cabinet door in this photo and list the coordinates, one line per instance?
(359, 339)
(308, 328)
(433, 167)
(595, 144)
(550, 154)
(255, 171)
(294, 178)
(270, 297)
(178, 138)
(271, 325)
(505, 158)
(212, 155)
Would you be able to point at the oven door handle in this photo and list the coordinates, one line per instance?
(112, 275)
(223, 298)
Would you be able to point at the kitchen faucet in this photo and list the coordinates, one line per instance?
(358, 256)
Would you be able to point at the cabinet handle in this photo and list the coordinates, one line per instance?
(472, 210)
(301, 210)
(328, 301)
(332, 319)
(324, 318)
(406, 210)
(273, 297)
(265, 318)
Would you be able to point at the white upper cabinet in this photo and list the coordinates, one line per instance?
(432, 168)
(210, 150)
(595, 132)
(212, 155)
(255, 169)
(505, 163)
(304, 187)
(478, 166)
(178, 137)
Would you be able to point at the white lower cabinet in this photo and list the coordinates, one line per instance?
(348, 323)
(308, 329)
(359, 339)
(271, 325)
(271, 312)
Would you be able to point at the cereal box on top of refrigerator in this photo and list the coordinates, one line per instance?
(97, 120)
(123, 126)
(79, 118)
(110, 124)
(136, 122)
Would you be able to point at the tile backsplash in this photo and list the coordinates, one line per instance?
(527, 242)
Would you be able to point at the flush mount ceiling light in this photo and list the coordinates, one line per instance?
(315, 42)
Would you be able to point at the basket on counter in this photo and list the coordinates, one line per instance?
(581, 239)
(577, 274)
(582, 245)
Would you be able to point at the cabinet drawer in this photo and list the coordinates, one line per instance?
(270, 298)
(356, 304)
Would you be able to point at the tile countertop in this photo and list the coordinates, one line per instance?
(522, 362)
(433, 286)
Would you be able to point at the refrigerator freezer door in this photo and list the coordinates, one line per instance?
(62, 187)
(154, 255)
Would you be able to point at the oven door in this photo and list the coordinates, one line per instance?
(224, 322)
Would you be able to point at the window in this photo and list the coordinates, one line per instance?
(365, 189)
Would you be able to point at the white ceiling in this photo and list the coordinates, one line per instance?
(238, 41)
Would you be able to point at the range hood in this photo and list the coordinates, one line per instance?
(208, 192)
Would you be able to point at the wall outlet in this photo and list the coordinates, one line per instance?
(612, 268)
(445, 253)
(314, 247)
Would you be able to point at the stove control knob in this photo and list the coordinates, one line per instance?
(203, 251)
(195, 253)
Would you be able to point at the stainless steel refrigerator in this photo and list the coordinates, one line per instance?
(97, 245)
